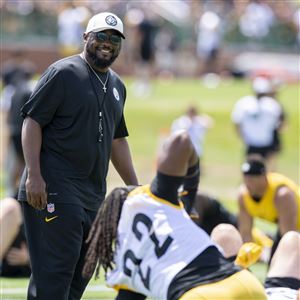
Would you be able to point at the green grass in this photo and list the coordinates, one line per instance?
(16, 288)
(223, 150)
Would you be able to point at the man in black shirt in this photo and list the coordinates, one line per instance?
(73, 125)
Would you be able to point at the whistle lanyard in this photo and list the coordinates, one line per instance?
(100, 105)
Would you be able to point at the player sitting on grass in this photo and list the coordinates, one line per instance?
(269, 196)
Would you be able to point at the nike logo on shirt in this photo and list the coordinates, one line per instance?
(50, 219)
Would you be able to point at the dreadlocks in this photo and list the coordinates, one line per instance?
(103, 234)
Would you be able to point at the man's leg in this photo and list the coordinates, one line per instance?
(79, 282)
(54, 241)
(228, 238)
(10, 222)
(286, 259)
(283, 278)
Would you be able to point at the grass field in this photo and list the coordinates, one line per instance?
(147, 119)
(16, 288)
(223, 150)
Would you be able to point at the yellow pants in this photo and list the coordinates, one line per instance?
(240, 286)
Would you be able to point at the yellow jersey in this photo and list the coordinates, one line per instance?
(265, 208)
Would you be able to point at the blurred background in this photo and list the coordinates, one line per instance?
(185, 38)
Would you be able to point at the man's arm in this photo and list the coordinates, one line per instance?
(285, 203)
(245, 221)
(121, 159)
(31, 143)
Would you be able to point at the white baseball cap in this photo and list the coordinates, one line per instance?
(262, 85)
(104, 21)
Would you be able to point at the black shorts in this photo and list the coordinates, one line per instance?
(287, 282)
(276, 145)
(263, 151)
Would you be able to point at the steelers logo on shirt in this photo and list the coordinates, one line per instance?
(116, 94)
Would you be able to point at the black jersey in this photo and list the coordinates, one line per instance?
(66, 103)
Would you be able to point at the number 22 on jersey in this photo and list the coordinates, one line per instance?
(159, 248)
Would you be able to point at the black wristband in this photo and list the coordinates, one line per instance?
(190, 186)
(166, 187)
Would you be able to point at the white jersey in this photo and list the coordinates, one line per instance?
(156, 241)
(257, 119)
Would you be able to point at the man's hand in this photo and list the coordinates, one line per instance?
(18, 256)
(36, 191)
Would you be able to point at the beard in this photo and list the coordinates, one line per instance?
(99, 62)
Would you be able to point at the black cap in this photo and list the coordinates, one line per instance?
(253, 167)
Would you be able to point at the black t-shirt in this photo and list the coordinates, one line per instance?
(66, 103)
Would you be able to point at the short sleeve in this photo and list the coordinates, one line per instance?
(46, 97)
(121, 130)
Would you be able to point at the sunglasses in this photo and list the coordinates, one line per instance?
(103, 37)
